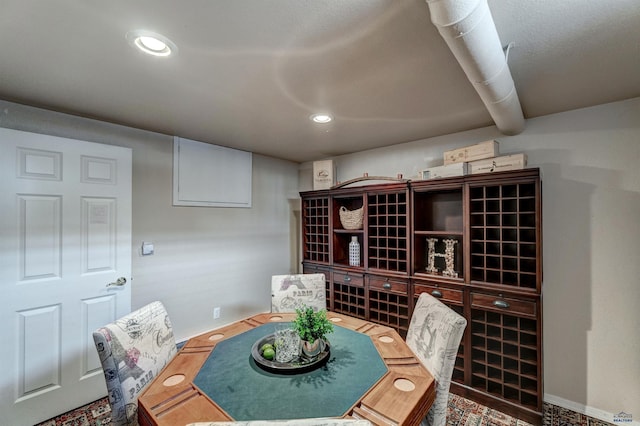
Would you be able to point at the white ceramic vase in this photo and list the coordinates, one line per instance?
(354, 252)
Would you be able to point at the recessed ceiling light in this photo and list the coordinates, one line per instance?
(151, 43)
(321, 118)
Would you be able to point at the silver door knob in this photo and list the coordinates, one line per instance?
(119, 282)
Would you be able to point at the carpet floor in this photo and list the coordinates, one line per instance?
(462, 412)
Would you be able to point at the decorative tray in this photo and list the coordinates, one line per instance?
(300, 365)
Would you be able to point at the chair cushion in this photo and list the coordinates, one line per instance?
(434, 335)
(290, 292)
(133, 350)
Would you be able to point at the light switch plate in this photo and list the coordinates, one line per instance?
(147, 249)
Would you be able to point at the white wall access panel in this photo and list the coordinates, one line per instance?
(209, 175)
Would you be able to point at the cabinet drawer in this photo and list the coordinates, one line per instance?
(388, 284)
(347, 278)
(444, 294)
(504, 304)
(315, 269)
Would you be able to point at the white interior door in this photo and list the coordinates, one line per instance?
(65, 233)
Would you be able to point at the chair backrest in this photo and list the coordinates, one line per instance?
(434, 335)
(295, 422)
(133, 350)
(290, 292)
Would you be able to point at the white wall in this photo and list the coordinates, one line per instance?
(204, 257)
(590, 165)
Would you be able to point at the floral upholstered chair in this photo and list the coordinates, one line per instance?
(434, 335)
(290, 292)
(133, 350)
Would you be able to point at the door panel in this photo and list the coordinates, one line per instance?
(98, 234)
(39, 237)
(96, 312)
(65, 233)
(39, 350)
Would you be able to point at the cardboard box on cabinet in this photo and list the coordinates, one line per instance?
(324, 174)
(498, 164)
(478, 151)
(456, 169)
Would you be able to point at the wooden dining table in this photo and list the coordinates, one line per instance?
(401, 395)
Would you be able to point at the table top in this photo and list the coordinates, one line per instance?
(401, 393)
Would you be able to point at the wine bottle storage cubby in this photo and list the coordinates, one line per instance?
(503, 234)
(387, 231)
(390, 309)
(458, 369)
(316, 229)
(349, 300)
(505, 356)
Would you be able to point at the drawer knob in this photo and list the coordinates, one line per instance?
(501, 304)
(386, 285)
(347, 279)
(436, 293)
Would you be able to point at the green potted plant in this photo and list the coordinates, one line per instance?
(312, 327)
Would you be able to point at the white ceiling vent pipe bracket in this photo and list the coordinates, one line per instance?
(468, 29)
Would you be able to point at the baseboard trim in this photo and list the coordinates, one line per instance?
(589, 411)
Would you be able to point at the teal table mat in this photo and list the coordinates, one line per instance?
(245, 391)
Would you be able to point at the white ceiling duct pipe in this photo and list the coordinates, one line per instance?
(468, 28)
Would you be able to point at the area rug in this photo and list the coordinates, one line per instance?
(98, 413)
(558, 416)
(462, 412)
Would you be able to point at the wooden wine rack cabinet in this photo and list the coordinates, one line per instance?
(472, 241)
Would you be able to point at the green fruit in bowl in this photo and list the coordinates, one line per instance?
(265, 347)
(269, 353)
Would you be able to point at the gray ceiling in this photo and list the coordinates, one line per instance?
(248, 73)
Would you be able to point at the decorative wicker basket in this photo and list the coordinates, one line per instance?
(351, 219)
